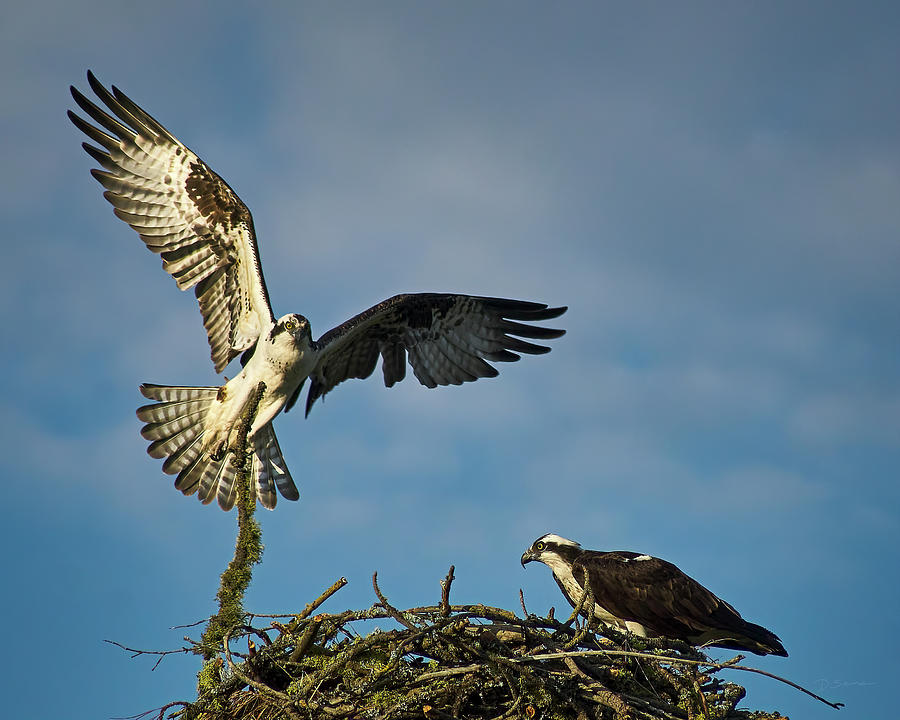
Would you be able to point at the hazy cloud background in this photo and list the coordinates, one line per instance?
(712, 189)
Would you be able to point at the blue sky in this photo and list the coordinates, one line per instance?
(713, 190)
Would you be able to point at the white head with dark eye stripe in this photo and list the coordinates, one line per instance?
(552, 550)
(292, 326)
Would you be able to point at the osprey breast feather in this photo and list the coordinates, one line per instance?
(191, 218)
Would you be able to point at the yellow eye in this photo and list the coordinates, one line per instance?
(540, 545)
(289, 325)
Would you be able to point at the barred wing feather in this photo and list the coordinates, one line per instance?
(184, 212)
(447, 339)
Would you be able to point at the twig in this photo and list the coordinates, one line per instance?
(306, 639)
(449, 672)
(585, 601)
(189, 625)
(309, 609)
(251, 616)
(684, 661)
(445, 592)
(394, 612)
(160, 711)
(578, 608)
(136, 653)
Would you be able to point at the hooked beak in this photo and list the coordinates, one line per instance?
(527, 557)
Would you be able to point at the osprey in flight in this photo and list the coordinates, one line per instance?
(649, 597)
(188, 215)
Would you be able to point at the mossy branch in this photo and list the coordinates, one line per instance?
(248, 547)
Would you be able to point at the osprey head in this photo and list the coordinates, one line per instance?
(291, 326)
(550, 549)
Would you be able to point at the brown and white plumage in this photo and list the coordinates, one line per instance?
(175, 428)
(187, 214)
(648, 596)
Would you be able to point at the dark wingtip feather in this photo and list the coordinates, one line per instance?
(84, 102)
(548, 313)
(531, 331)
(150, 391)
(557, 311)
(502, 356)
(99, 155)
(88, 129)
(95, 84)
(77, 95)
(520, 346)
(522, 310)
(489, 371)
(100, 175)
(102, 117)
(288, 493)
(144, 412)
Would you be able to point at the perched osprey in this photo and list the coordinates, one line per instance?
(649, 597)
(187, 214)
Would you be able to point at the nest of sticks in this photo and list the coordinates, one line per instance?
(436, 661)
(451, 661)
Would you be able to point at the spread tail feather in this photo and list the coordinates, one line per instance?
(269, 466)
(175, 427)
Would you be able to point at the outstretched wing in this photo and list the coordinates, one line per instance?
(184, 212)
(447, 338)
(650, 591)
